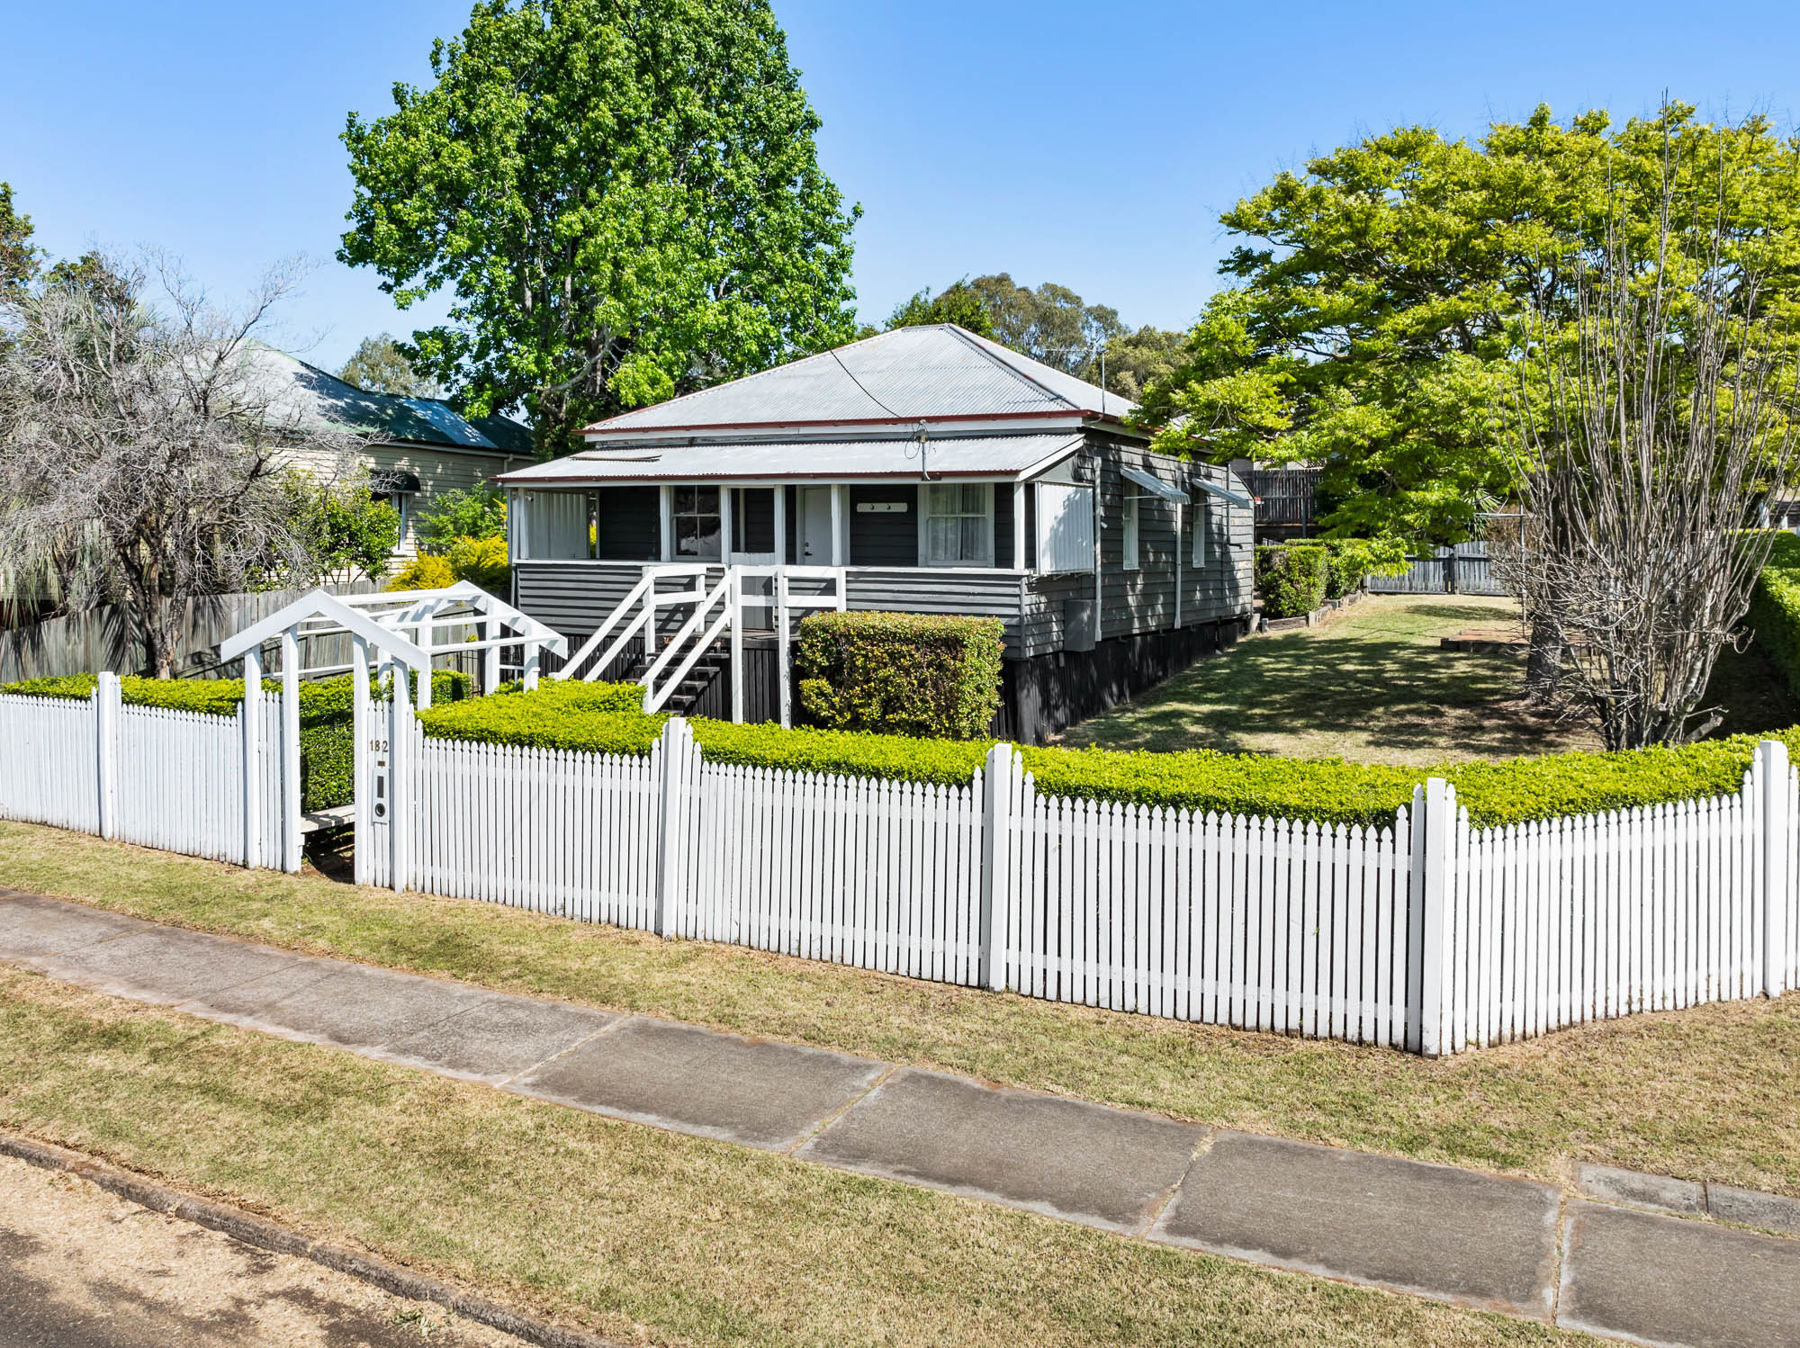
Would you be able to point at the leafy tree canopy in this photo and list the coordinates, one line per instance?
(958, 304)
(1051, 324)
(381, 365)
(623, 196)
(1374, 325)
(479, 512)
(18, 256)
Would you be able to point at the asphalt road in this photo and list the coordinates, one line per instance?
(80, 1268)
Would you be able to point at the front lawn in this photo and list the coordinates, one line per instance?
(1711, 1093)
(1374, 685)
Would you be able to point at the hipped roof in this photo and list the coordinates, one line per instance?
(934, 373)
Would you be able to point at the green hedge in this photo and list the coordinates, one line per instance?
(605, 718)
(921, 674)
(1292, 578)
(327, 715)
(1775, 608)
(1325, 790)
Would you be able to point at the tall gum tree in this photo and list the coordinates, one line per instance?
(623, 197)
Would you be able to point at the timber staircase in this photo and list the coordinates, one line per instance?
(678, 633)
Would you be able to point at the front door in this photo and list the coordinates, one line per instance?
(815, 526)
(752, 526)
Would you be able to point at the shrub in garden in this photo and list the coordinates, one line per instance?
(1775, 608)
(1291, 579)
(424, 572)
(481, 560)
(1352, 560)
(906, 673)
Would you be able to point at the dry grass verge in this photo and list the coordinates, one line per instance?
(1711, 1093)
(623, 1229)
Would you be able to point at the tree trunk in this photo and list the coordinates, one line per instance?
(1544, 663)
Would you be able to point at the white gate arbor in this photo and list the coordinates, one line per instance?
(396, 633)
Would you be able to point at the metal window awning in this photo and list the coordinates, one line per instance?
(1155, 486)
(394, 482)
(1229, 497)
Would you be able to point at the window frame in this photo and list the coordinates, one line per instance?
(985, 514)
(1130, 533)
(677, 515)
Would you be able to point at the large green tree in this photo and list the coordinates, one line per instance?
(1374, 323)
(958, 303)
(381, 365)
(1052, 324)
(623, 197)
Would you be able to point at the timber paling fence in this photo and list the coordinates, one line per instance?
(1424, 934)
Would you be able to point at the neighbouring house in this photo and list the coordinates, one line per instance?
(417, 447)
(923, 470)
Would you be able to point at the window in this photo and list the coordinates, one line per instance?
(696, 518)
(956, 527)
(1200, 532)
(1130, 533)
(1065, 528)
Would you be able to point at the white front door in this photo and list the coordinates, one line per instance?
(815, 526)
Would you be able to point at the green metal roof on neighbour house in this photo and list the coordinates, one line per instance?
(312, 397)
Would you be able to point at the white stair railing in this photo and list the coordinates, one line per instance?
(638, 612)
(646, 601)
(725, 593)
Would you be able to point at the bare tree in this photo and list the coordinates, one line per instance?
(1652, 426)
(145, 452)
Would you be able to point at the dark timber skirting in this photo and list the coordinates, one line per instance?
(1049, 693)
(1038, 697)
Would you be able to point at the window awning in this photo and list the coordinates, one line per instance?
(393, 482)
(1229, 497)
(1155, 486)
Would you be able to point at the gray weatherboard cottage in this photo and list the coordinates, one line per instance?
(923, 470)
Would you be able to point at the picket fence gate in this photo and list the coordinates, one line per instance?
(1426, 935)
(222, 787)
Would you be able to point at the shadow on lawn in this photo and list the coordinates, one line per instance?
(1389, 686)
(1376, 685)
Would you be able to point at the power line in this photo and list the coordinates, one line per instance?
(924, 464)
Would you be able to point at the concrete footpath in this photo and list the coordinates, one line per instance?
(1507, 1245)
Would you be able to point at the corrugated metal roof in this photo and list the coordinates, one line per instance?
(838, 460)
(311, 397)
(909, 374)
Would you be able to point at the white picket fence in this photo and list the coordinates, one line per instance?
(1426, 935)
(172, 780)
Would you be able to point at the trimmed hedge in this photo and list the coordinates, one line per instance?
(327, 716)
(603, 718)
(923, 674)
(1292, 579)
(1325, 790)
(1775, 608)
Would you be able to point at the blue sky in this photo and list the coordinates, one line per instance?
(1089, 143)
